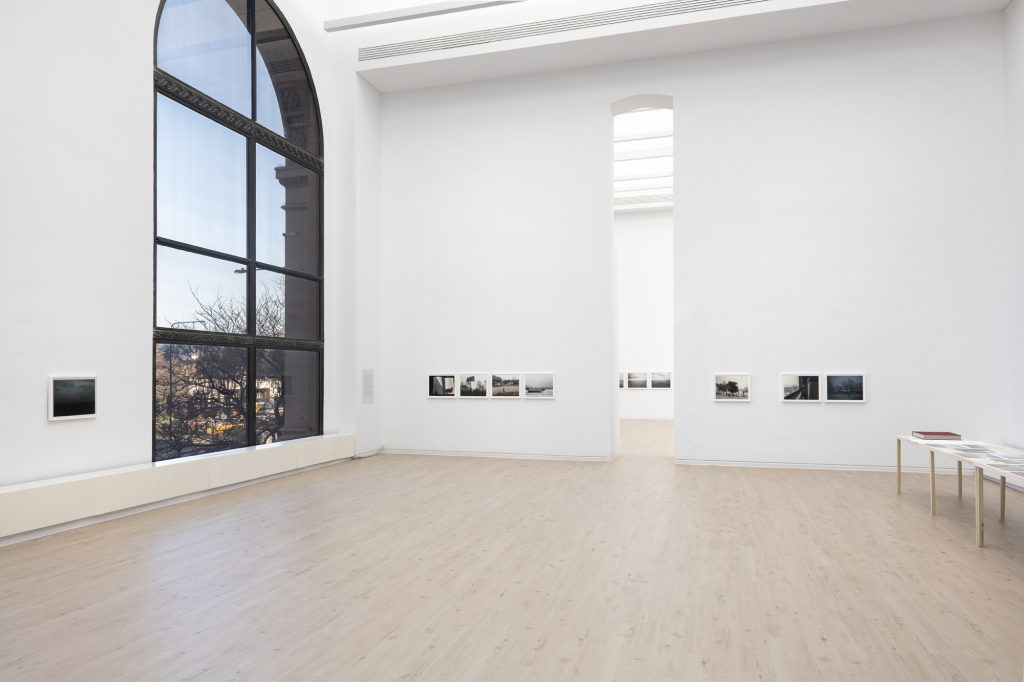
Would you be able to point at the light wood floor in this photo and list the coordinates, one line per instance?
(423, 568)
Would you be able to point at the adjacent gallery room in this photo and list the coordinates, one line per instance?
(512, 340)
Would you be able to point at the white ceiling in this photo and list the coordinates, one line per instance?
(744, 25)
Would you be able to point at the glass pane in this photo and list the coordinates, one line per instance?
(206, 44)
(287, 395)
(201, 180)
(287, 213)
(198, 292)
(645, 121)
(199, 401)
(284, 98)
(287, 306)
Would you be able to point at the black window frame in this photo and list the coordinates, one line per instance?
(180, 92)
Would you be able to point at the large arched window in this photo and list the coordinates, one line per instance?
(238, 315)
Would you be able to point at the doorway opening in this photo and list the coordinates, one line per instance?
(643, 196)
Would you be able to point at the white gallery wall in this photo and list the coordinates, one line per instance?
(841, 193)
(76, 226)
(1015, 232)
(643, 246)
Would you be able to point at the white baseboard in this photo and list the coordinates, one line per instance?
(494, 455)
(367, 453)
(38, 505)
(818, 465)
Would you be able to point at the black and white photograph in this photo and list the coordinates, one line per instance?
(622, 379)
(72, 398)
(801, 388)
(539, 385)
(506, 385)
(636, 380)
(844, 388)
(661, 380)
(731, 388)
(473, 385)
(441, 386)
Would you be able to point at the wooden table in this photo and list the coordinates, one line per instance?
(997, 460)
(932, 446)
(1010, 469)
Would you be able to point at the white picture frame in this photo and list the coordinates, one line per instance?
(470, 381)
(57, 396)
(786, 387)
(651, 378)
(634, 377)
(744, 387)
(442, 376)
(846, 401)
(539, 380)
(497, 392)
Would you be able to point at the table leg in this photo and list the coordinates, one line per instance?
(1002, 498)
(979, 506)
(959, 478)
(899, 466)
(931, 464)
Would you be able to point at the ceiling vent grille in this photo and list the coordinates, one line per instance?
(539, 28)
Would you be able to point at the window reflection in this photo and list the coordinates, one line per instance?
(287, 395)
(287, 306)
(287, 213)
(284, 98)
(199, 293)
(200, 180)
(200, 400)
(206, 44)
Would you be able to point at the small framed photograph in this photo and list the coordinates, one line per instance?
(441, 386)
(473, 385)
(636, 379)
(622, 379)
(71, 398)
(847, 387)
(732, 387)
(539, 385)
(801, 387)
(506, 385)
(661, 380)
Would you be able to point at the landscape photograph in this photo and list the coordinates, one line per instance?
(732, 387)
(801, 387)
(505, 386)
(539, 385)
(473, 385)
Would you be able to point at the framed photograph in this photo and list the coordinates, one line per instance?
(801, 387)
(733, 387)
(661, 380)
(845, 388)
(473, 385)
(441, 386)
(506, 385)
(71, 398)
(622, 379)
(539, 385)
(636, 379)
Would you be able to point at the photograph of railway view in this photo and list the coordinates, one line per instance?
(732, 387)
(801, 387)
(845, 387)
(661, 379)
(505, 386)
(539, 385)
(636, 379)
(472, 385)
(442, 386)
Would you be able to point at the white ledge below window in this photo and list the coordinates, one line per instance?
(54, 502)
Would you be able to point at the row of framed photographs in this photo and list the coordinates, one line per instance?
(796, 387)
(640, 380)
(498, 385)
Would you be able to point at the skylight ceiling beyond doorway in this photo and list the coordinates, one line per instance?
(643, 161)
